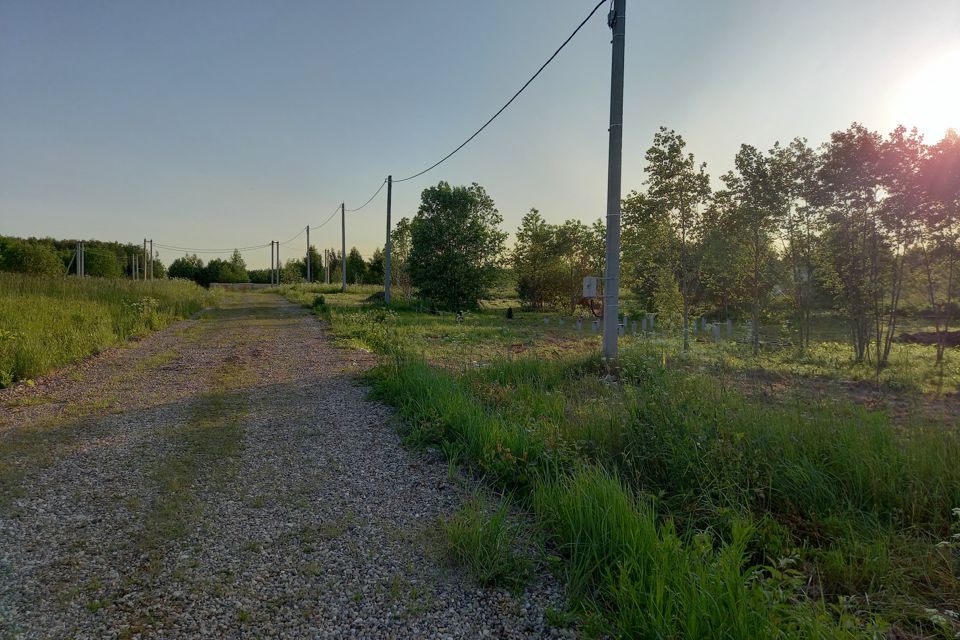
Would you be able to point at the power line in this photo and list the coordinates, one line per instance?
(335, 212)
(375, 193)
(510, 101)
(302, 231)
(196, 250)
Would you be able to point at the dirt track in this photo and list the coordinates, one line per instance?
(226, 477)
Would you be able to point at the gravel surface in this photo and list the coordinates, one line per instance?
(226, 477)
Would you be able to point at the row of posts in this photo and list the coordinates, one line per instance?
(647, 324)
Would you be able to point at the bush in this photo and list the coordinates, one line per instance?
(22, 256)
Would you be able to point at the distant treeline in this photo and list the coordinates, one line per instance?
(866, 226)
(47, 256)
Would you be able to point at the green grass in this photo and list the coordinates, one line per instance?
(680, 506)
(48, 322)
(489, 543)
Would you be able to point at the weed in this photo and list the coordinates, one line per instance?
(488, 543)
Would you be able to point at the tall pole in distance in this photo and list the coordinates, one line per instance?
(151, 258)
(343, 247)
(386, 257)
(278, 262)
(271, 262)
(309, 279)
(146, 261)
(611, 288)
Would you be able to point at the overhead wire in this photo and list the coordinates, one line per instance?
(199, 250)
(370, 199)
(510, 101)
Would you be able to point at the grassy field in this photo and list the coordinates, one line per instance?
(676, 505)
(47, 322)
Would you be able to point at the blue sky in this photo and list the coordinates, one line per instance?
(221, 124)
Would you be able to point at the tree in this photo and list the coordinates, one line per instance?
(400, 246)
(681, 188)
(575, 246)
(939, 233)
(854, 248)
(356, 267)
(188, 268)
(336, 261)
(226, 271)
(899, 221)
(293, 270)
(100, 263)
(536, 261)
(759, 193)
(649, 249)
(456, 246)
(316, 264)
(800, 228)
(35, 258)
(376, 267)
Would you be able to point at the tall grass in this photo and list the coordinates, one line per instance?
(683, 508)
(47, 322)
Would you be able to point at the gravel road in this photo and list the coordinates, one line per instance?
(226, 477)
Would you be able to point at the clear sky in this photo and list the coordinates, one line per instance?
(221, 124)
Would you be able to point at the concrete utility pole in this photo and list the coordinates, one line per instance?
(146, 260)
(386, 257)
(343, 247)
(278, 262)
(271, 262)
(151, 258)
(611, 288)
(308, 255)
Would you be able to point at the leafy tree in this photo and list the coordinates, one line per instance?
(456, 245)
(316, 264)
(229, 271)
(25, 256)
(759, 190)
(899, 222)
(259, 276)
(575, 244)
(356, 267)
(680, 187)
(336, 260)
(649, 247)
(801, 227)
(854, 250)
(376, 267)
(293, 270)
(99, 263)
(188, 268)
(536, 261)
(939, 233)
(400, 246)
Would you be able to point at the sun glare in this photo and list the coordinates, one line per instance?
(930, 99)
